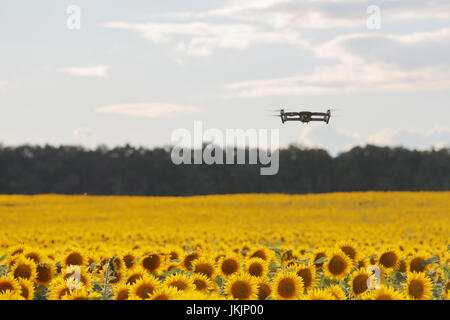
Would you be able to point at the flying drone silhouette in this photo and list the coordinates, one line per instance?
(304, 116)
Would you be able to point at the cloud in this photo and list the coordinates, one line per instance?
(148, 110)
(202, 39)
(358, 70)
(92, 71)
(83, 133)
(338, 140)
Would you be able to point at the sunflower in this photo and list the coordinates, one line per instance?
(204, 266)
(318, 294)
(80, 294)
(76, 275)
(287, 286)
(153, 262)
(164, 293)
(122, 292)
(402, 266)
(198, 295)
(57, 289)
(242, 286)
(389, 258)
(358, 282)
(26, 289)
(8, 283)
(415, 263)
(10, 295)
(135, 273)
(187, 259)
(257, 267)
(349, 249)
(263, 253)
(24, 268)
(75, 257)
(418, 286)
(34, 255)
(180, 282)
(202, 282)
(317, 256)
(308, 275)
(446, 291)
(144, 288)
(337, 292)
(45, 273)
(384, 293)
(264, 289)
(129, 259)
(338, 265)
(229, 265)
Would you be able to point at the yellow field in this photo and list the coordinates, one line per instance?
(226, 247)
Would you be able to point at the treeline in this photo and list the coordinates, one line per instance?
(138, 171)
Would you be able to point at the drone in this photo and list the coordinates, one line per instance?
(304, 116)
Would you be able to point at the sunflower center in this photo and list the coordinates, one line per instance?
(306, 275)
(359, 284)
(144, 291)
(286, 288)
(22, 271)
(199, 284)
(415, 265)
(128, 259)
(122, 295)
(229, 266)
(180, 285)
(349, 251)
(263, 291)
(205, 269)
(43, 274)
(416, 289)
(255, 270)
(337, 265)
(259, 254)
(151, 262)
(384, 297)
(74, 259)
(240, 290)
(188, 260)
(388, 259)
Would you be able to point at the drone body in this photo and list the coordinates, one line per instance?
(305, 116)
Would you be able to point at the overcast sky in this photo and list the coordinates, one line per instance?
(137, 70)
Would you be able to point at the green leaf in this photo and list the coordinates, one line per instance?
(321, 260)
(273, 266)
(373, 256)
(3, 257)
(429, 261)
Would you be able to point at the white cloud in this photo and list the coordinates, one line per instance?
(148, 110)
(200, 38)
(83, 133)
(91, 71)
(337, 140)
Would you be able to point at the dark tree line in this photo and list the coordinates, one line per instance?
(138, 171)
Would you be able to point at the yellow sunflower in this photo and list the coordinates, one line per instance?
(204, 266)
(75, 257)
(180, 282)
(242, 286)
(10, 295)
(358, 282)
(202, 282)
(153, 262)
(122, 292)
(287, 286)
(338, 265)
(349, 249)
(418, 286)
(308, 275)
(337, 292)
(415, 263)
(187, 259)
(135, 273)
(8, 283)
(144, 288)
(229, 265)
(317, 256)
(45, 273)
(389, 258)
(264, 289)
(318, 294)
(257, 267)
(384, 293)
(164, 293)
(80, 294)
(24, 268)
(26, 289)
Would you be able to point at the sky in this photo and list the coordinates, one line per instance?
(112, 72)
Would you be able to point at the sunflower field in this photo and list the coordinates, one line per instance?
(343, 246)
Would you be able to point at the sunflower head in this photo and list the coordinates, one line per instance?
(204, 266)
(202, 282)
(308, 274)
(389, 258)
(264, 289)
(122, 292)
(9, 283)
(337, 292)
(318, 294)
(337, 266)
(418, 286)
(143, 288)
(229, 265)
(257, 267)
(242, 286)
(349, 249)
(358, 282)
(384, 293)
(153, 262)
(24, 268)
(287, 286)
(179, 281)
(26, 289)
(45, 273)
